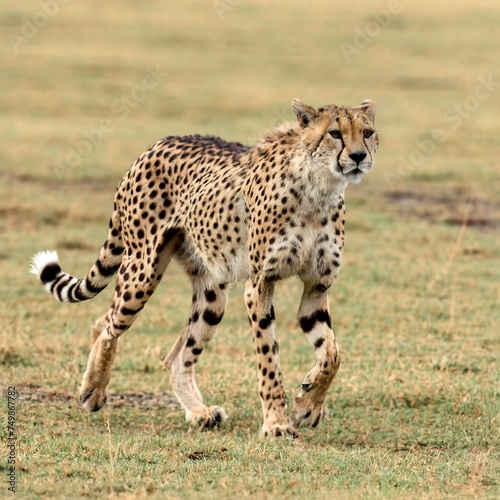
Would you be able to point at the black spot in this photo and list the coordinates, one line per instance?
(319, 343)
(197, 351)
(196, 316)
(190, 342)
(210, 296)
(271, 375)
(265, 349)
(276, 347)
(211, 318)
(265, 322)
(307, 322)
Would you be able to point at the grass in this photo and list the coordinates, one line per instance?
(414, 410)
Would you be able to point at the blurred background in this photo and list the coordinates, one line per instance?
(86, 86)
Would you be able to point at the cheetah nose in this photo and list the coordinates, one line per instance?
(357, 157)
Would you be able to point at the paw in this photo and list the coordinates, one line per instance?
(92, 398)
(278, 431)
(203, 418)
(307, 412)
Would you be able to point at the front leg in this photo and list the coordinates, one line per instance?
(315, 321)
(258, 299)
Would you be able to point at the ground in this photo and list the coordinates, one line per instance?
(414, 408)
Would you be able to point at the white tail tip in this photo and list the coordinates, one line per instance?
(41, 260)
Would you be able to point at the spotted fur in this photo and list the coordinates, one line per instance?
(228, 212)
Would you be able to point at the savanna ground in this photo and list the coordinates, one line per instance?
(414, 410)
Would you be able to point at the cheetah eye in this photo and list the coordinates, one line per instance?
(367, 133)
(335, 134)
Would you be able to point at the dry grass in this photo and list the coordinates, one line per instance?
(415, 406)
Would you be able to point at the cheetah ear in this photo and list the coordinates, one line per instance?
(305, 113)
(368, 107)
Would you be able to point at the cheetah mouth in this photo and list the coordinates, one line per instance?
(354, 172)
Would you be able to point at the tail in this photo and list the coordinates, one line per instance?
(66, 288)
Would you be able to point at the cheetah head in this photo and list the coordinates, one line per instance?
(341, 141)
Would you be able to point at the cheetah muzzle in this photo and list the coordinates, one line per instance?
(228, 212)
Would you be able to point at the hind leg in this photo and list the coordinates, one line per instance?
(100, 325)
(207, 309)
(135, 283)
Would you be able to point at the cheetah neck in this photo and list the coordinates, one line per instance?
(321, 189)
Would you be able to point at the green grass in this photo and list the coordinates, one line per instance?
(414, 410)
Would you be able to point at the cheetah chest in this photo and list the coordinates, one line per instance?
(306, 249)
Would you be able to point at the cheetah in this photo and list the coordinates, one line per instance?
(228, 212)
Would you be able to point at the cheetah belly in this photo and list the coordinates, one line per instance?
(219, 246)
